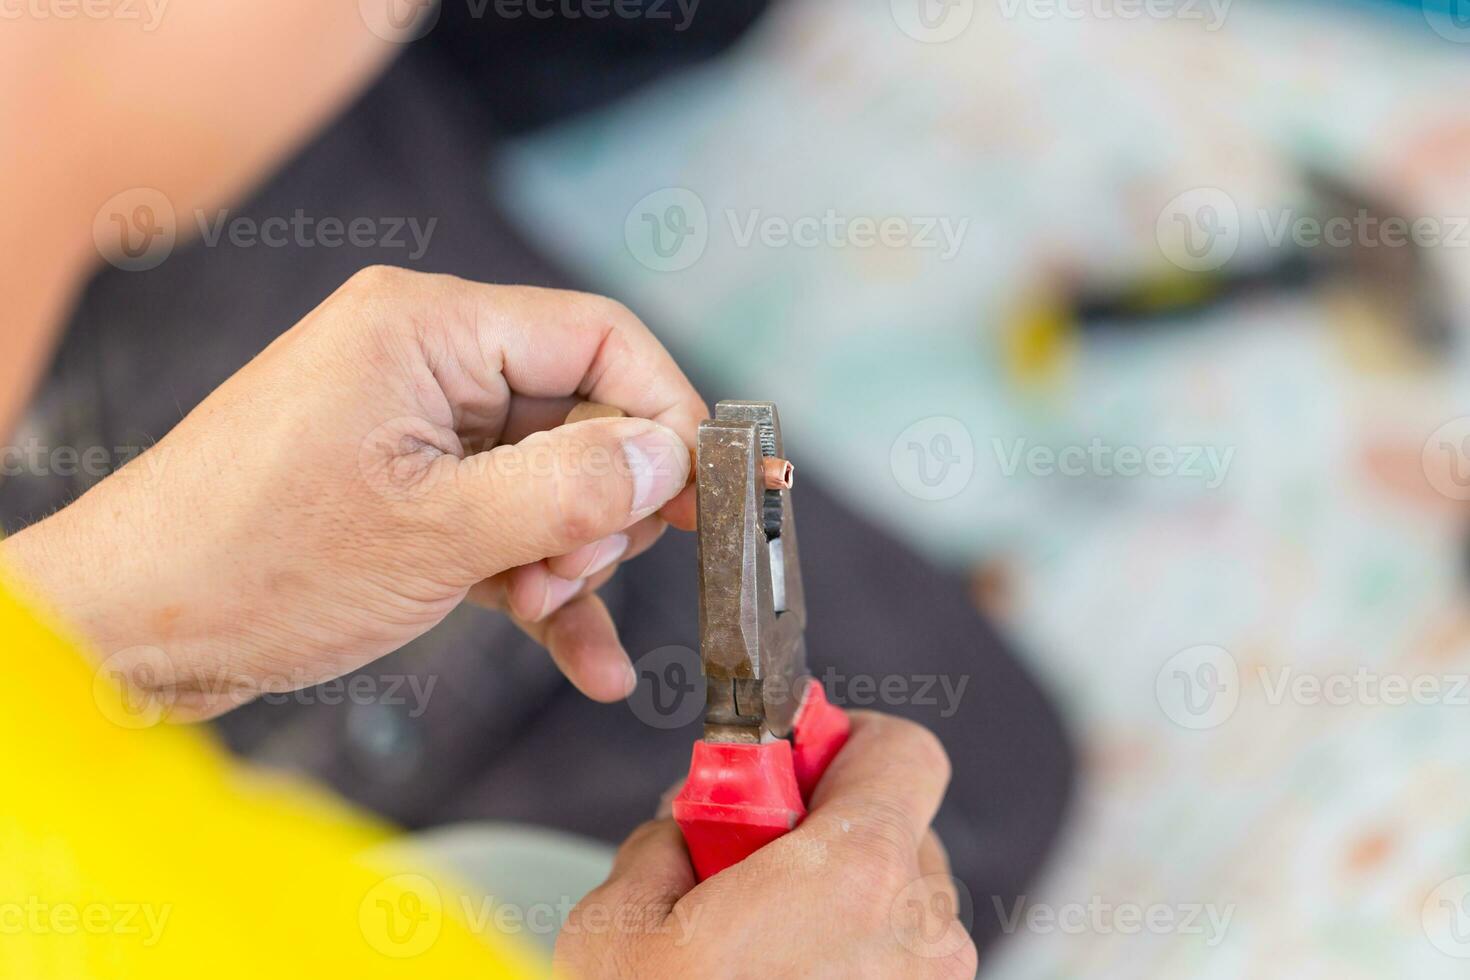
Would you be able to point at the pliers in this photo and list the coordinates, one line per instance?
(769, 730)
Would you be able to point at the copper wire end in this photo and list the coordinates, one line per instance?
(779, 473)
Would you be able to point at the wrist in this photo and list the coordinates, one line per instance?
(49, 571)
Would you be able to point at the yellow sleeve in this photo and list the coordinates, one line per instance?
(130, 850)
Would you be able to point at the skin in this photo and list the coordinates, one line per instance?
(398, 451)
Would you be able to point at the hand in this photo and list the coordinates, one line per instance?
(398, 449)
(860, 889)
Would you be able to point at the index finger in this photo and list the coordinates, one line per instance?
(488, 342)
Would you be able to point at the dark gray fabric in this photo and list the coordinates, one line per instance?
(503, 736)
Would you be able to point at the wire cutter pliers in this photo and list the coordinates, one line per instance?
(769, 730)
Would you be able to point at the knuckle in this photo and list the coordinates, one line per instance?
(918, 744)
(883, 859)
(373, 279)
(606, 310)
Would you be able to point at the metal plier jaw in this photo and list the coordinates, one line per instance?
(752, 610)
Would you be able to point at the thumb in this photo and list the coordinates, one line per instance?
(560, 489)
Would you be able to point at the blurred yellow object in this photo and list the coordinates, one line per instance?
(133, 849)
(1039, 339)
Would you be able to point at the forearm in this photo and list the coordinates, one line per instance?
(197, 103)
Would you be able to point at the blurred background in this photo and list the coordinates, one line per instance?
(1120, 347)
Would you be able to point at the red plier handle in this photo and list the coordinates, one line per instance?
(740, 796)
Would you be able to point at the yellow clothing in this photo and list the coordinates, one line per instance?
(130, 849)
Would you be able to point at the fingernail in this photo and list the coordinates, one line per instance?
(659, 464)
(558, 591)
(609, 550)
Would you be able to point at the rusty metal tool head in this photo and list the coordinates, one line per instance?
(752, 612)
